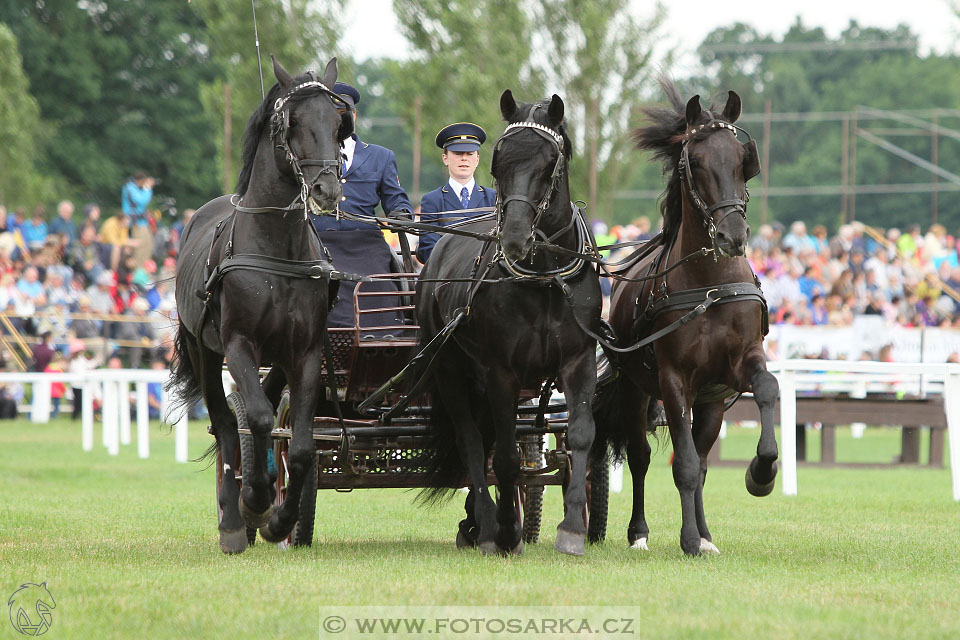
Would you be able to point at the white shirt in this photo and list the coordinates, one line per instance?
(457, 187)
(349, 146)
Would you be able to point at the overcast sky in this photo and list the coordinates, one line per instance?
(372, 30)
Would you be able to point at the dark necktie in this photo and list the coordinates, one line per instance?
(464, 197)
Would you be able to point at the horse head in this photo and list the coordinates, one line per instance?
(714, 167)
(527, 164)
(308, 124)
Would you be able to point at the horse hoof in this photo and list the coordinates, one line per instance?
(489, 548)
(760, 490)
(463, 542)
(708, 547)
(270, 536)
(254, 519)
(569, 543)
(517, 550)
(233, 541)
(640, 544)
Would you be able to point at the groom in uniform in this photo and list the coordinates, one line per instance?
(461, 154)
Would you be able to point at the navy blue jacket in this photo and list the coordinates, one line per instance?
(444, 199)
(372, 179)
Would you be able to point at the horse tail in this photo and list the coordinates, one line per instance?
(612, 434)
(441, 457)
(610, 441)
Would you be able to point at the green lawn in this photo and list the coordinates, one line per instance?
(128, 548)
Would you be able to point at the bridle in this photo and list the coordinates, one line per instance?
(737, 205)
(541, 206)
(280, 134)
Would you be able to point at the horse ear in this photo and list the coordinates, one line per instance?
(330, 74)
(555, 111)
(751, 160)
(731, 111)
(508, 106)
(282, 76)
(693, 109)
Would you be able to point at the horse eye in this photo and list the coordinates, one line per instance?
(293, 121)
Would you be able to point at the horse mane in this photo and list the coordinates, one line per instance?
(663, 135)
(518, 154)
(251, 135)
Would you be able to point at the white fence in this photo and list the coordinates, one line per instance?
(114, 387)
(827, 375)
(862, 375)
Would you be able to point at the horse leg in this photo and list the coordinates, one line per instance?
(456, 399)
(468, 532)
(256, 497)
(762, 472)
(677, 405)
(503, 394)
(273, 384)
(304, 392)
(233, 534)
(707, 419)
(579, 380)
(634, 412)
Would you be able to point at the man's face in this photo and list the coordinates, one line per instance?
(461, 164)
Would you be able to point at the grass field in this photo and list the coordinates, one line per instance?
(128, 548)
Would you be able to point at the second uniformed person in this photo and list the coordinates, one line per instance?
(369, 179)
(461, 154)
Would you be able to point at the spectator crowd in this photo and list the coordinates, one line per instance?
(808, 277)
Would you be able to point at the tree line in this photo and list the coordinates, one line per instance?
(92, 91)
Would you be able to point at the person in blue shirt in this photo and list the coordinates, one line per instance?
(34, 232)
(370, 178)
(461, 143)
(134, 198)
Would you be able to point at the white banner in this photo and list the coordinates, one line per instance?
(863, 340)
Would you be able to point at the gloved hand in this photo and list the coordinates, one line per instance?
(400, 214)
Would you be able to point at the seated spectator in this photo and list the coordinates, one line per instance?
(87, 256)
(139, 332)
(116, 233)
(63, 224)
(83, 324)
(34, 232)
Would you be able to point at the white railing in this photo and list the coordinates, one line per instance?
(797, 374)
(114, 387)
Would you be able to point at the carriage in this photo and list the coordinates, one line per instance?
(376, 450)
(527, 274)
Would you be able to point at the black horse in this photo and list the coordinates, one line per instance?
(266, 288)
(513, 333)
(709, 312)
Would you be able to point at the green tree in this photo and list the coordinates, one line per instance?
(119, 82)
(467, 52)
(597, 53)
(300, 33)
(21, 131)
(806, 71)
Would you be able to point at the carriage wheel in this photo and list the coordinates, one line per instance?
(245, 455)
(598, 500)
(532, 512)
(302, 534)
